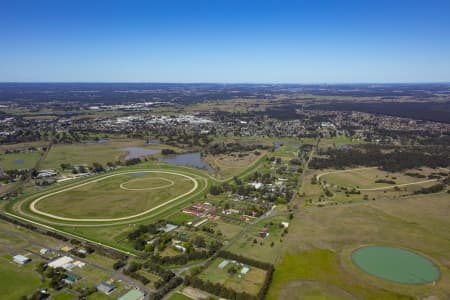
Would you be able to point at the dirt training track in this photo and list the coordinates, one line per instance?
(37, 211)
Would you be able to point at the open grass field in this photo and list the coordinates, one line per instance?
(116, 196)
(6, 238)
(87, 153)
(179, 296)
(77, 154)
(13, 277)
(23, 146)
(15, 236)
(180, 218)
(263, 249)
(227, 229)
(317, 263)
(287, 151)
(250, 283)
(5, 188)
(364, 178)
(228, 165)
(14, 161)
(64, 296)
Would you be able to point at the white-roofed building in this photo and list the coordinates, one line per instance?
(61, 262)
(21, 259)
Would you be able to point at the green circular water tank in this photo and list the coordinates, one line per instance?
(395, 264)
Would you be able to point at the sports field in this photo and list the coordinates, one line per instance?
(120, 195)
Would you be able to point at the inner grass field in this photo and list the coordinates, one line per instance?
(114, 196)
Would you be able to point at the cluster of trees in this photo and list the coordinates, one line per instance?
(219, 289)
(190, 254)
(387, 181)
(246, 260)
(163, 273)
(138, 236)
(26, 135)
(371, 155)
(151, 228)
(37, 295)
(274, 193)
(85, 291)
(180, 259)
(225, 148)
(133, 161)
(168, 152)
(416, 175)
(12, 175)
(165, 289)
(177, 138)
(119, 264)
(436, 188)
(131, 271)
(167, 283)
(56, 275)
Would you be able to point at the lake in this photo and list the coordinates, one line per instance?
(99, 141)
(188, 160)
(138, 152)
(153, 142)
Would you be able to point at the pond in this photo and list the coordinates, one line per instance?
(138, 152)
(189, 160)
(278, 144)
(99, 141)
(19, 161)
(395, 264)
(153, 142)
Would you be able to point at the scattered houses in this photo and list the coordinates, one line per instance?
(105, 288)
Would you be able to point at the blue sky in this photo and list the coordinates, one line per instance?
(225, 41)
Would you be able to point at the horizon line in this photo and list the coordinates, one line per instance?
(228, 83)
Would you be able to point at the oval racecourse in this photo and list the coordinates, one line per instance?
(116, 197)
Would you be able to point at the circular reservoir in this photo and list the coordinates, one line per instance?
(395, 264)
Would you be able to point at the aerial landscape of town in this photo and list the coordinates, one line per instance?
(130, 174)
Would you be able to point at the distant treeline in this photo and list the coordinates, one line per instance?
(392, 161)
(223, 148)
(431, 111)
